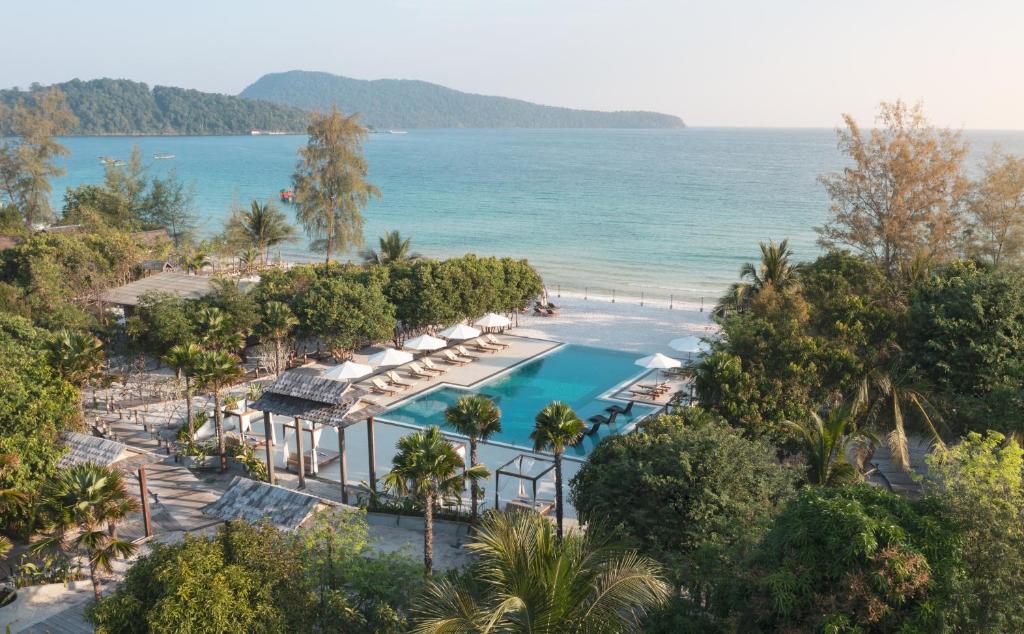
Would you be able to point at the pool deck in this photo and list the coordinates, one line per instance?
(673, 385)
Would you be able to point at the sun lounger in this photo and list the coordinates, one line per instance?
(618, 408)
(417, 371)
(543, 312)
(594, 427)
(494, 341)
(461, 349)
(397, 381)
(602, 419)
(451, 358)
(380, 387)
(483, 346)
(429, 365)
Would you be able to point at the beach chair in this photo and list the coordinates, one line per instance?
(461, 349)
(379, 387)
(417, 371)
(397, 381)
(451, 358)
(622, 410)
(596, 424)
(483, 346)
(602, 419)
(543, 312)
(494, 341)
(429, 365)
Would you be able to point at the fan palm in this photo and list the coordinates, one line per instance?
(78, 504)
(195, 261)
(216, 329)
(78, 357)
(556, 427)
(824, 442)
(528, 580)
(775, 271)
(183, 358)
(393, 248)
(427, 468)
(214, 371)
(261, 227)
(276, 325)
(477, 418)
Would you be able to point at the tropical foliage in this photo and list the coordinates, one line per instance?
(477, 418)
(556, 427)
(393, 249)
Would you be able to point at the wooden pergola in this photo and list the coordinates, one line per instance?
(306, 397)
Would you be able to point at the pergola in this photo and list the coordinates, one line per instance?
(308, 397)
(524, 467)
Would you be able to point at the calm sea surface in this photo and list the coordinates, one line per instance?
(665, 212)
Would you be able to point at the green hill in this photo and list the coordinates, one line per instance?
(121, 106)
(397, 103)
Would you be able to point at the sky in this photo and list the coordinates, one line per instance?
(776, 63)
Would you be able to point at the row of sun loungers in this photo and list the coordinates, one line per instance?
(655, 391)
(390, 383)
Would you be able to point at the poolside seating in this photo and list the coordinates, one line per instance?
(655, 391)
(461, 349)
(417, 371)
(621, 410)
(430, 366)
(543, 312)
(397, 381)
(593, 427)
(483, 346)
(451, 358)
(602, 419)
(380, 387)
(494, 341)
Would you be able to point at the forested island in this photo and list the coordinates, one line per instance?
(400, 103)
(121, 106)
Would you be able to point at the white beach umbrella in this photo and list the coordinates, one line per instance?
(658, 362)
(689, 343)
(493, 320)
(347, 371)
(425, 342)
(459, 331)
(390, 356)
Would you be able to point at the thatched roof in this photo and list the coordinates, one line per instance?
(83, 448)
(180, 284)
(316, 399)
(252, 501)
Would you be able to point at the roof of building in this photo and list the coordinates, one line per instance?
(84, 448)
(180, 284)
(62, 229)
(311, 397)
(156, 265)
(252, 501)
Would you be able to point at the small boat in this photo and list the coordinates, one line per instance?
(287, 196)
(108, 160)
(396, 132)
(163, 157)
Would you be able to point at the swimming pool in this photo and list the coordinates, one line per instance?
(577, 375)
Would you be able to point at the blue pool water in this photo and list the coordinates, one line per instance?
(577, 375)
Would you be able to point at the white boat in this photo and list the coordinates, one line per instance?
(162, 157)
(396, 132)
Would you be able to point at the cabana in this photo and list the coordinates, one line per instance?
(312, 401)
(252, 501)
(525, 468)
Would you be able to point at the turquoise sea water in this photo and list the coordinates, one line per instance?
(659, 211)
(577, 375)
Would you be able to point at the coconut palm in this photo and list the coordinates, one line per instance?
(78, 357)
(477, 418)
(556, 427)
(392, 249)
(276, 324)
(824, 442)
(78, 504)
(261, 227)
(528, 580)
(183, 358)
(214, 371)
(775, 271)
(195, 261)
(427, 468)
(216, 329)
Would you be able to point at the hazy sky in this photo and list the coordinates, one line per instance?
(766, 63)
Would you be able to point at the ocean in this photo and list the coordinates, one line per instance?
(666, 214)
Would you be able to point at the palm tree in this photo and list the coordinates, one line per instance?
(12, 500)
(556, 427)
(276, 325)
(183, 358)
(824, 442)
(261, 227)
(194, 261)
(216, 329)
(77, 505)
(528, 580)
(477, 418)
(214, 371)
(428, 468)
(78, 357)
(774, 271)
(392, 249)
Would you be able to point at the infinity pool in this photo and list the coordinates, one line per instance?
(577, 375)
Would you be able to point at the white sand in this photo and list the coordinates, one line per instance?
(620, 325)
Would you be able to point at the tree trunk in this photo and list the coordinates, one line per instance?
(428, 534)
(474, 489)
(188, 409)
(558, 494)
(94, 579)
(218, 418)
(277, 356)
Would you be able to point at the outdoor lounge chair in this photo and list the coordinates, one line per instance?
(397, 381)
(461, 349)
(602, 419)
(429, 365)
(543, 312)
(451, 358)
(620, 409)
(494, 341)
(593, 427)
(417, 371)
(483, 346)
(380, 387)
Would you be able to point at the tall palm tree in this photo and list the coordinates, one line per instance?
(216, 329)
(428, 468)
(78, 357)
(78, 504)
(477, 418)
(276, 324)
(528, 580)
(214, 371)
(774, 271)
(393, 248)
(195, 261)
(556, 427)
(261, 227)
(183, 358)
(824, 442)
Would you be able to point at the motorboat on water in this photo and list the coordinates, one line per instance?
(163, 157)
